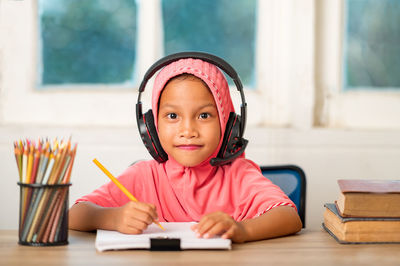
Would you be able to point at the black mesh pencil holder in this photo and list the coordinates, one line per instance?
(43, 214)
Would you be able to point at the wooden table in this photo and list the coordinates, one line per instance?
(306, 248)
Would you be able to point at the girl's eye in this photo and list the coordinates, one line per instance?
(172, 116)
(204, 115)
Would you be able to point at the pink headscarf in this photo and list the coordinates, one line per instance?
(207, 72)
(187, 193)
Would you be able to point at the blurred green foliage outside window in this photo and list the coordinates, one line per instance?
(94, 41)
(226, 28)
(372, 44)
(87, 41)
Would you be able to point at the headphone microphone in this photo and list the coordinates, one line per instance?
(233, 143)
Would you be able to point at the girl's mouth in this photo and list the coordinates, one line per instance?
(189, 147)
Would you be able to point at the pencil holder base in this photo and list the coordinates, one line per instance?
(34, 244)
(43, 215)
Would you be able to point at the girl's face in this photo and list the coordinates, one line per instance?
(188, 122)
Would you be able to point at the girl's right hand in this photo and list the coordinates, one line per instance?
(134, 217)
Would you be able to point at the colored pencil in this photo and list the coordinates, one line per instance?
(43, 163)
(49, 169)
(120, 186)
(59, 213)
(27, 224)
(68, 174)
(36, 159)
(28, 158)
(44, 233)
(30, 163)
(18, 154)
(61, 161)
(24, 163)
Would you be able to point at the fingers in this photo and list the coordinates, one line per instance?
(134, 217)
(203, 229)
(213, 224)
(229, 233)
(147, 209)
(217, 229)
(132, 229)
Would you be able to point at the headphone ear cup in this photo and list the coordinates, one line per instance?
(233, 144)
(232, 131)
(150, 138)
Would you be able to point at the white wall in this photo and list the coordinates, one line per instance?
(324, 154)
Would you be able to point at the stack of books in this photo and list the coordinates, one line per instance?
(367, 211)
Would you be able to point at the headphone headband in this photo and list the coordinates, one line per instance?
(210, 58)
(215, 60)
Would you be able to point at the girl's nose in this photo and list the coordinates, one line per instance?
(188, 129)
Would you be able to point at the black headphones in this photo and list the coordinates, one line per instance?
(233, 144)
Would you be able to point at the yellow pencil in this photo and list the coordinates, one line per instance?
(71, 163)
(120, 186)
(30, 163)
(18, 153)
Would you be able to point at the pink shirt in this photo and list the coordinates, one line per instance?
(186, 194)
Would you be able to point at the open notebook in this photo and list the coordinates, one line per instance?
(177, 236)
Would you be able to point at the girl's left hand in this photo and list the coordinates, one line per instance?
(220, 223)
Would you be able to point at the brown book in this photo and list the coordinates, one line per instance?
(356, 230)
(369, 198)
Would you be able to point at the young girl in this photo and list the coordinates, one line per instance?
(191, 105)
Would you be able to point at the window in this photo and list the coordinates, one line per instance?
(87, 41)
(371, 45)
(354, 45)
(220, 27)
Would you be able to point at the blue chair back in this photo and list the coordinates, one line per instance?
(292, 180)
